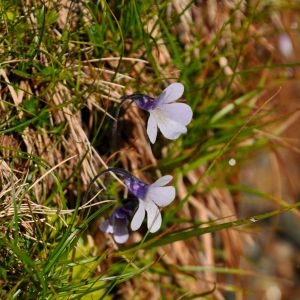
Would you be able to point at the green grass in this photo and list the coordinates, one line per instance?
(63, 70)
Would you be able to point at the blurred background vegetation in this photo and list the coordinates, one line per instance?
(233, 230)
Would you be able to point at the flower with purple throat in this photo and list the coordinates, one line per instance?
(118, 221)
(171, 118)
(150, 197)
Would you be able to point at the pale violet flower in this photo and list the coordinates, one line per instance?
(117, 223)
(148, 199)
(151, 197)
(285, 45)
(171, 118)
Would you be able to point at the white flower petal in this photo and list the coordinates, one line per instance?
(161, 196)
(138, 217)
(121, 239)
(106, 227)
(171, 93)
(152, 128)
(121, 234)
(179, 112)
(169, 128)
(162, 181)
(153, 216)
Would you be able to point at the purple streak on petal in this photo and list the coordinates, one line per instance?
(154, 219)
(137, 187)
(120, 214)
(152, 129)
(145, 102)
(138, 217)
(161, 196)
(171, 93)
(179, 112)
